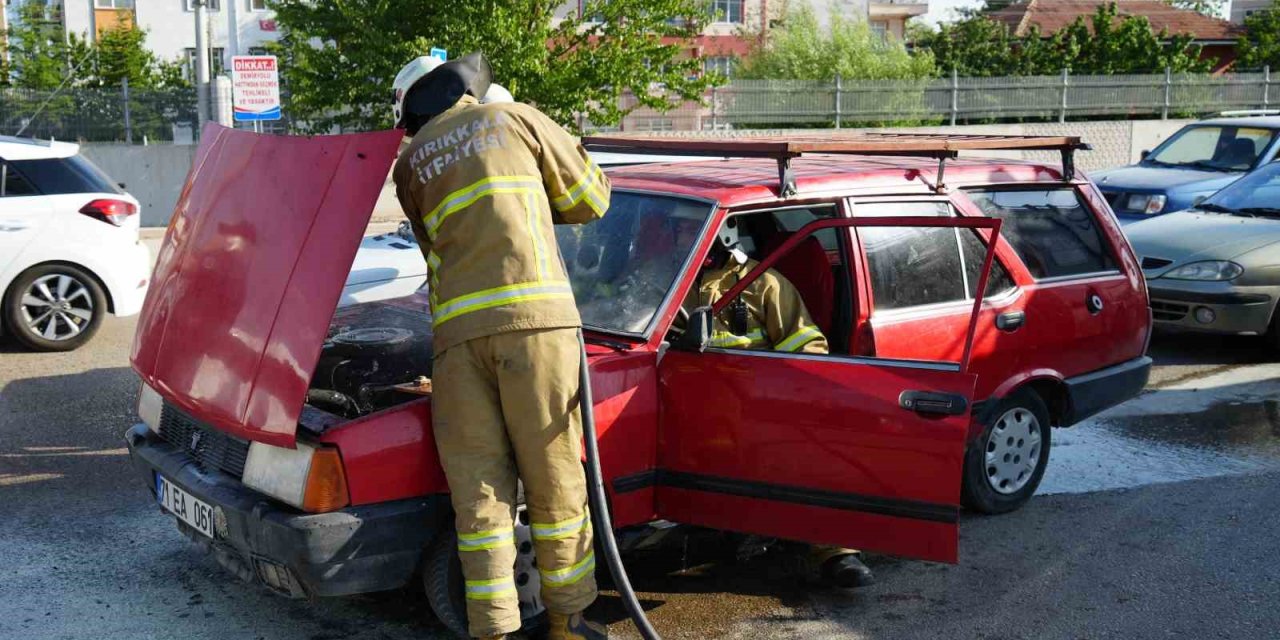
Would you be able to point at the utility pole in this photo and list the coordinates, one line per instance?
(202, 64)
(4, 37)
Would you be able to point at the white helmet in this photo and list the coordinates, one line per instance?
(731, 240)
(409, 75)
(496, 94)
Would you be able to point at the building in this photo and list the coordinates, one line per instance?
(1241, 9)
(236, 27)
(1216, 37)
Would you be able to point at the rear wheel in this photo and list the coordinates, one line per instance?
(54, 307)
(1004, 466)
(442, 577)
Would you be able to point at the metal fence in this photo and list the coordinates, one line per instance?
(117, 114)
(748, 104)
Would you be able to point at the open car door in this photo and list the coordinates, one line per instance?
(853, 451)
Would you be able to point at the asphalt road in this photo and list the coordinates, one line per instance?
(1158, 521)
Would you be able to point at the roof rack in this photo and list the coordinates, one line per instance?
(784, 148)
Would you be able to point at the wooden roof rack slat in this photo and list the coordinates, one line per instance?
(784, 148)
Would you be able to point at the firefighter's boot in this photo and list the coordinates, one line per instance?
(847, 571)
(574, 627)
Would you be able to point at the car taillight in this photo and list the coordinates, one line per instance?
(326, 482)
(110, 210)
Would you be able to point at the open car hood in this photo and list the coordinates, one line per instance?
(251, 269)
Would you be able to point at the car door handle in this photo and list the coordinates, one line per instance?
(1011, 321)
(929, 402)
(12, 226)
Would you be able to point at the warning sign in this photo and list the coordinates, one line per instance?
(255, 88)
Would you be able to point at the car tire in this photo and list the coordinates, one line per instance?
(54, 307)
(997, 478)
(442, 578)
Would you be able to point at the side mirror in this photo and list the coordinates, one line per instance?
(1198, 200)
(1145, 153)
(697, 331)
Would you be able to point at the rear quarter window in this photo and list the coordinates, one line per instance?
(56, 176)
(1052, 230)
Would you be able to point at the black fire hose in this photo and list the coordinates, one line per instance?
(599, 504)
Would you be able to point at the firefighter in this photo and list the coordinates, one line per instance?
(482, 185)
(770, 314)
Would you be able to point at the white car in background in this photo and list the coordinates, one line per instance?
(389, 265)
(69, 247)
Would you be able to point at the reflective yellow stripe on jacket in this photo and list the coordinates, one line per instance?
(727, 340)
(498, 296)
(467, 196)
(589, 187)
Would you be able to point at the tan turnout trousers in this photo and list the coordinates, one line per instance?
(504, 405)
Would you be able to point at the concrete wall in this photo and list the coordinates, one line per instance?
(153, 174)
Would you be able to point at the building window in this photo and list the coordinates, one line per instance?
(113, 4)
(257, 5)
(722, 65)
(216, 67)
(880, 29)
(209, 5)
(726, 11)
(257, 51)
(654, 124)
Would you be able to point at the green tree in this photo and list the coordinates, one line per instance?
(800, 49)
(39, 57)
(338, 58)
(121, 52)
(1260, 44)
(1106, 43)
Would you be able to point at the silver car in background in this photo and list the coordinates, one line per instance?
(1216, 267)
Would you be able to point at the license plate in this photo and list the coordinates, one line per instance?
(182, 504)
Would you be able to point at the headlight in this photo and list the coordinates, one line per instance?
(1207, 270)
(309, 477)
(1146, 203)
(149, 405)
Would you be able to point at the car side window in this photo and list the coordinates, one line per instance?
(912, 267)
(13, 184)
(1052, 230)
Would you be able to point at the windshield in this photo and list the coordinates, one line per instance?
(623, 265)
(1256, 193)
(1213, 148)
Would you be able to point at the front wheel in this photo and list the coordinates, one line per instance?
(54, 307)
(1004, 466)
(442, 577)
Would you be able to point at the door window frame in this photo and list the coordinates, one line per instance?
(844, 312)
(963, 366)
(6, 167)
(852, 203)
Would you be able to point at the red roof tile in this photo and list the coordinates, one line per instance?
(1053, 15)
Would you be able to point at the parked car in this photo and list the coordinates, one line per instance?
(1192, 164)
(69, 247)
(1216, 267)
(295, 442)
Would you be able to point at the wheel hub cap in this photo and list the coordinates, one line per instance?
(1013, 450)
(57, 307)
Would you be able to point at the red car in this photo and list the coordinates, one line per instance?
(295, 444)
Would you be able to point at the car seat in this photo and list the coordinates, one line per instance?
(809, 269)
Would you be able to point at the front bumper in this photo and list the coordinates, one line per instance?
(356, 550)
(1230, 309)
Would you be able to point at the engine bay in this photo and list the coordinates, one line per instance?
(376, 355)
